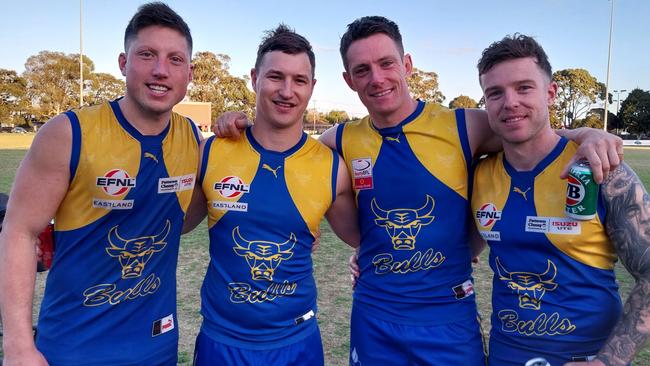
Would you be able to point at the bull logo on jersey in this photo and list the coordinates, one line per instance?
(530, 287)
(403, 224)
(263, 257)
(134, 254)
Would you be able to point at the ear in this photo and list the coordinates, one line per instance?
(191, 76)
(551, 93)
(121, 61)
(348, 80)
(408, 64)
(254, 78)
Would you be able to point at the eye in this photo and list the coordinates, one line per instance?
(387, 63)
(146, 54)
(494, 94)
(359, 72)
(177, 60)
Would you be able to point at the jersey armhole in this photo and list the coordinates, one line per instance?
(204, 158)
(335, 173)
(76, 143)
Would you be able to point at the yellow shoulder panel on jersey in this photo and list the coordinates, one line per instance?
(105, 147)
(181, 155)
(495, 186)
(588, 247)
(433, 137)
(360, 141)
(228, 158)
(308, 174)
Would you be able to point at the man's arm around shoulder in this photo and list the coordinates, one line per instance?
(628, 226)
(41, 182)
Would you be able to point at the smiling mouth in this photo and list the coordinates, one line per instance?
(381, 93)
(513, 119)
(283, 104)
(158, 89)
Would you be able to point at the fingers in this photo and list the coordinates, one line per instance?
(230, 124)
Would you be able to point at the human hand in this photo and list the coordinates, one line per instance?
(316, 244)
(354, 268)
(603, 150)
(230, 124)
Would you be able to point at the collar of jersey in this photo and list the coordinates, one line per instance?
(260, 149)
(512, 172)
(391, 131)
(126, 125)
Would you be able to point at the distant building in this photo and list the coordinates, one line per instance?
(199, 112)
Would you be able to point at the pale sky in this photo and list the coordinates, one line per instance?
(446, 37)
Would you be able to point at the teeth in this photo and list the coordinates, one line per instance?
(514, 119)
(382, 93)
(287, 105)
(158, 88)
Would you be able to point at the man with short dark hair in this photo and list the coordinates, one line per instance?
(554, 292)
(118, 178)
(267, 193)
(410, 163)
(414, 299)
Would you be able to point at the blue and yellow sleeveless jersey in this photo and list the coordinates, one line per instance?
(110, 296)
(263, 209)
(554, 290)
(411, 184)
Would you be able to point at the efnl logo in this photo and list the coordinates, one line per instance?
(488, 214)
(231, 187)
(116, 182)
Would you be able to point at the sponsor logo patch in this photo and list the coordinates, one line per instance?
(552, 225)
(116, 182)
(230, 206)
(487, 214)
(112, 204)
(464, 289)
(176, 184)
(362, 173)
(231, 187)
(162, 326)
(491, 235)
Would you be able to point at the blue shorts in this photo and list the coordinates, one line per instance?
(306, 352)
(377, 342)
(502, 354)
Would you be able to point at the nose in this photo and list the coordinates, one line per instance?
(510, 99)
(161, 69)
(376, 75)
(286, 89)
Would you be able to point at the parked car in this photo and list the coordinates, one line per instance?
(18, 130)
(5, 129)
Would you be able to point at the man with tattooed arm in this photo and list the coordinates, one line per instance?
(554, 288)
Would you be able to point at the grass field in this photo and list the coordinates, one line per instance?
(330, 267)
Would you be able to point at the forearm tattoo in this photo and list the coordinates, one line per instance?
(628, 226)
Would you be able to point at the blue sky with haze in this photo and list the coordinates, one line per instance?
(442, 36)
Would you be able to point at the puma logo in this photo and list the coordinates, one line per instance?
(395, 139)
(274, 171)
(151, 156)
(523, 193)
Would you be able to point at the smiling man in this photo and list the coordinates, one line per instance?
(266, 194)
(118, 178)
(554, 292)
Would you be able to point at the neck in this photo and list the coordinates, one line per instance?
(525, 156)
(380, 120)
(146, 122)
(276, 139)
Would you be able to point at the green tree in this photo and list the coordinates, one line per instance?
(577, 91)
(635, 112)
(13, 90)
(336, 116)
(53, 81)
(101, 87)
(463, 101)
(424, 85)
(213, 83)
